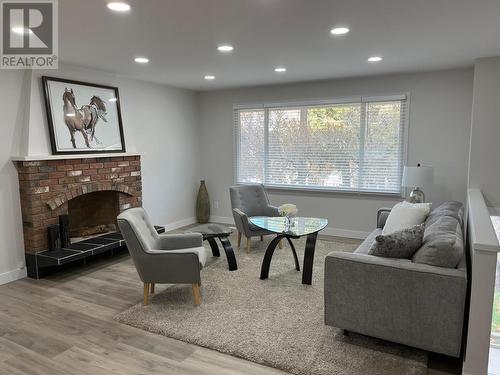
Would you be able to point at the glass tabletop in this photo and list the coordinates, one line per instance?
(210, 229)
(300, 226)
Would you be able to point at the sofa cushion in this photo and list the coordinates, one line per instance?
(406, 215)
(451, 208)
(400, 244)
(443, 237)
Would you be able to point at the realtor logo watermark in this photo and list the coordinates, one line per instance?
(29, 35)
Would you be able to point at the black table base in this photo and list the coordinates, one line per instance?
(308, 256)
(228, 249)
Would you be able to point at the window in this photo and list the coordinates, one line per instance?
(355, 145)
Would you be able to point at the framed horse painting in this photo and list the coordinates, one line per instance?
(83, 117)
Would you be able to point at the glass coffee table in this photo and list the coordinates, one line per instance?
(300, 226)
(210, 233)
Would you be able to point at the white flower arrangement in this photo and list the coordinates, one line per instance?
(288, 210)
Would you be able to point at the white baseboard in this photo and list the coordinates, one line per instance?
(13, 275)
(328, 231)
(179, 224)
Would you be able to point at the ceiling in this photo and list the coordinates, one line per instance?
(180, 38)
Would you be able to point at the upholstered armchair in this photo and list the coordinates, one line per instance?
(248, 201)
(162, 259)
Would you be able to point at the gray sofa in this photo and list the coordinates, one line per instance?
(402, 300)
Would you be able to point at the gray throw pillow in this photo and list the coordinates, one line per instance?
(400, 244)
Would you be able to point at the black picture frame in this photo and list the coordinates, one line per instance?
(56, 150)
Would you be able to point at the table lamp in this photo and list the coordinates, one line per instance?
(416, 177)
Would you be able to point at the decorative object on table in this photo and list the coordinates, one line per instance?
(417, 177)
(288, 211)
(306, 226)
(406, 215)
(83, 117)
(202, 204)
(246, 201)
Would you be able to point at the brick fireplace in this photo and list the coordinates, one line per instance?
(91, 190)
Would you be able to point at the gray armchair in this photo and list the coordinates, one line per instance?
(247, 201)
(162, 259)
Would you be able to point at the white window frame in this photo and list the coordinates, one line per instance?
(318, 102)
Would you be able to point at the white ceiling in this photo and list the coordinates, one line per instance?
(180, 38)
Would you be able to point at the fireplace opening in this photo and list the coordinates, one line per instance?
(93, 213)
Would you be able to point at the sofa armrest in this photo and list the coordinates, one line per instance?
(382, 215)
(396, 300)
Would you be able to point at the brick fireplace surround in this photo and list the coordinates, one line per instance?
(46, 186)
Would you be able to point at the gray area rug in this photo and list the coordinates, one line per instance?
(276, 322)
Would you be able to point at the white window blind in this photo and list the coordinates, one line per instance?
(355, 145)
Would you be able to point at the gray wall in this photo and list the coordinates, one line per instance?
(159, 121)
(484, 169)
(440, 107)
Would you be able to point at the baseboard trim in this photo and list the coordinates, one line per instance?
(13, 275)
(179, 224)
(328, 231)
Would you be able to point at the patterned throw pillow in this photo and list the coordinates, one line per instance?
(400, 244)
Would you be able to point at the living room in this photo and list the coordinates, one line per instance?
(250, 187)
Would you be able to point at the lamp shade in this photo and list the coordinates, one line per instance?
(417, 176)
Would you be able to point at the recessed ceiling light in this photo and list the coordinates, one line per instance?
(21, 30)
(112, 100)
(225, 48)
(141, 60)
(374, 59)
(280, 69)
(339, 31)
(119, 6)
(209, 77)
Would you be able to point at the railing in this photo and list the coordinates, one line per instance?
(483, 249)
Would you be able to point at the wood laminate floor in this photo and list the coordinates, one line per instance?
(64, 325)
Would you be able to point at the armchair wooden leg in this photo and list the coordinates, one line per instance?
(239, 240)
(248, 245)
(152, 288)
(261, 238)
(146, 294)
(196, 294)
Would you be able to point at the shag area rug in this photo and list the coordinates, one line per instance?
(276, 322)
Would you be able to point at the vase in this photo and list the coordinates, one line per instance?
(202, 204)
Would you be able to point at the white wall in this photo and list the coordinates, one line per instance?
(440, 107)
(485, 130)
(160, 122)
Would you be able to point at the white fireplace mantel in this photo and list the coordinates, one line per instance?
(74, 156)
